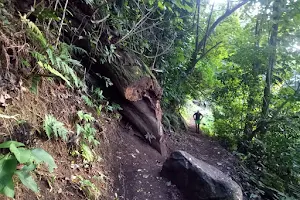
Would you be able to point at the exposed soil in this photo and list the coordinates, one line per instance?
(138, 165)
(29, 111)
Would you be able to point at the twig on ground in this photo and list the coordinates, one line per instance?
(9, 117)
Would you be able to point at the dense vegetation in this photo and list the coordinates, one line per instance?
(241, 56)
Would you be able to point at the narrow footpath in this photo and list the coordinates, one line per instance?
(137, 165)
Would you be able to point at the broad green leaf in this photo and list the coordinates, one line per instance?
(8, 143)
(8, 165)
(8, 190)
(29, 168)
(40, 155)
(27, 180)
(23, 155)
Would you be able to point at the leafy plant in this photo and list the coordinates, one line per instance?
(87, 101)
(55, 128)
(57, 61)
(113, 107)
(88, 133)
(27, 159)
(87, 130)
(87, 153)
(85, 116)
(99, 94)
(89, 188)
(108, 54)
(99, 109)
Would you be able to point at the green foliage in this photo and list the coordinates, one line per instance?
(29, 158)
(57, 61)
(87, 130)
(89, 188)
(108, 54)
(113, 107)
(85, 116)
(231, 75)
(87, 153)
(55, 128)
(98, 94)
(87, 101)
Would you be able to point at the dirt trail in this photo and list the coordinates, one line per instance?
(138, 165)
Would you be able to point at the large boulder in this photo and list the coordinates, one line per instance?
(198, 180)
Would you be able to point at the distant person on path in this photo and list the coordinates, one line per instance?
(197, 117)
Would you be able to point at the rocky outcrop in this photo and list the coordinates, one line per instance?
(198, 180)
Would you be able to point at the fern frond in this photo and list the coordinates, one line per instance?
(50, 54)
(36, 32)
(89, 2)
(38, 56)
(87, 100)
(55, 128)
(53, 71)
(99, 93)
(77, 50)
(59, 61)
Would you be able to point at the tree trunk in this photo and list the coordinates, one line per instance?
(272, 62)
(253, 86)
(140, 94)
(262, 126)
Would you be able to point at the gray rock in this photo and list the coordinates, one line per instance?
(198, 180)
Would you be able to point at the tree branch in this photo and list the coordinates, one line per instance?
(205, 53)
(219, 20)
(207, 28)
(197, 29)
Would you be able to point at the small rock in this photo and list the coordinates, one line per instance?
(73, 177)
(137, 151)
(145, 176)
(132, 155)
(199, 180)
(74, 166)
(218, 163)
(169, 183)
